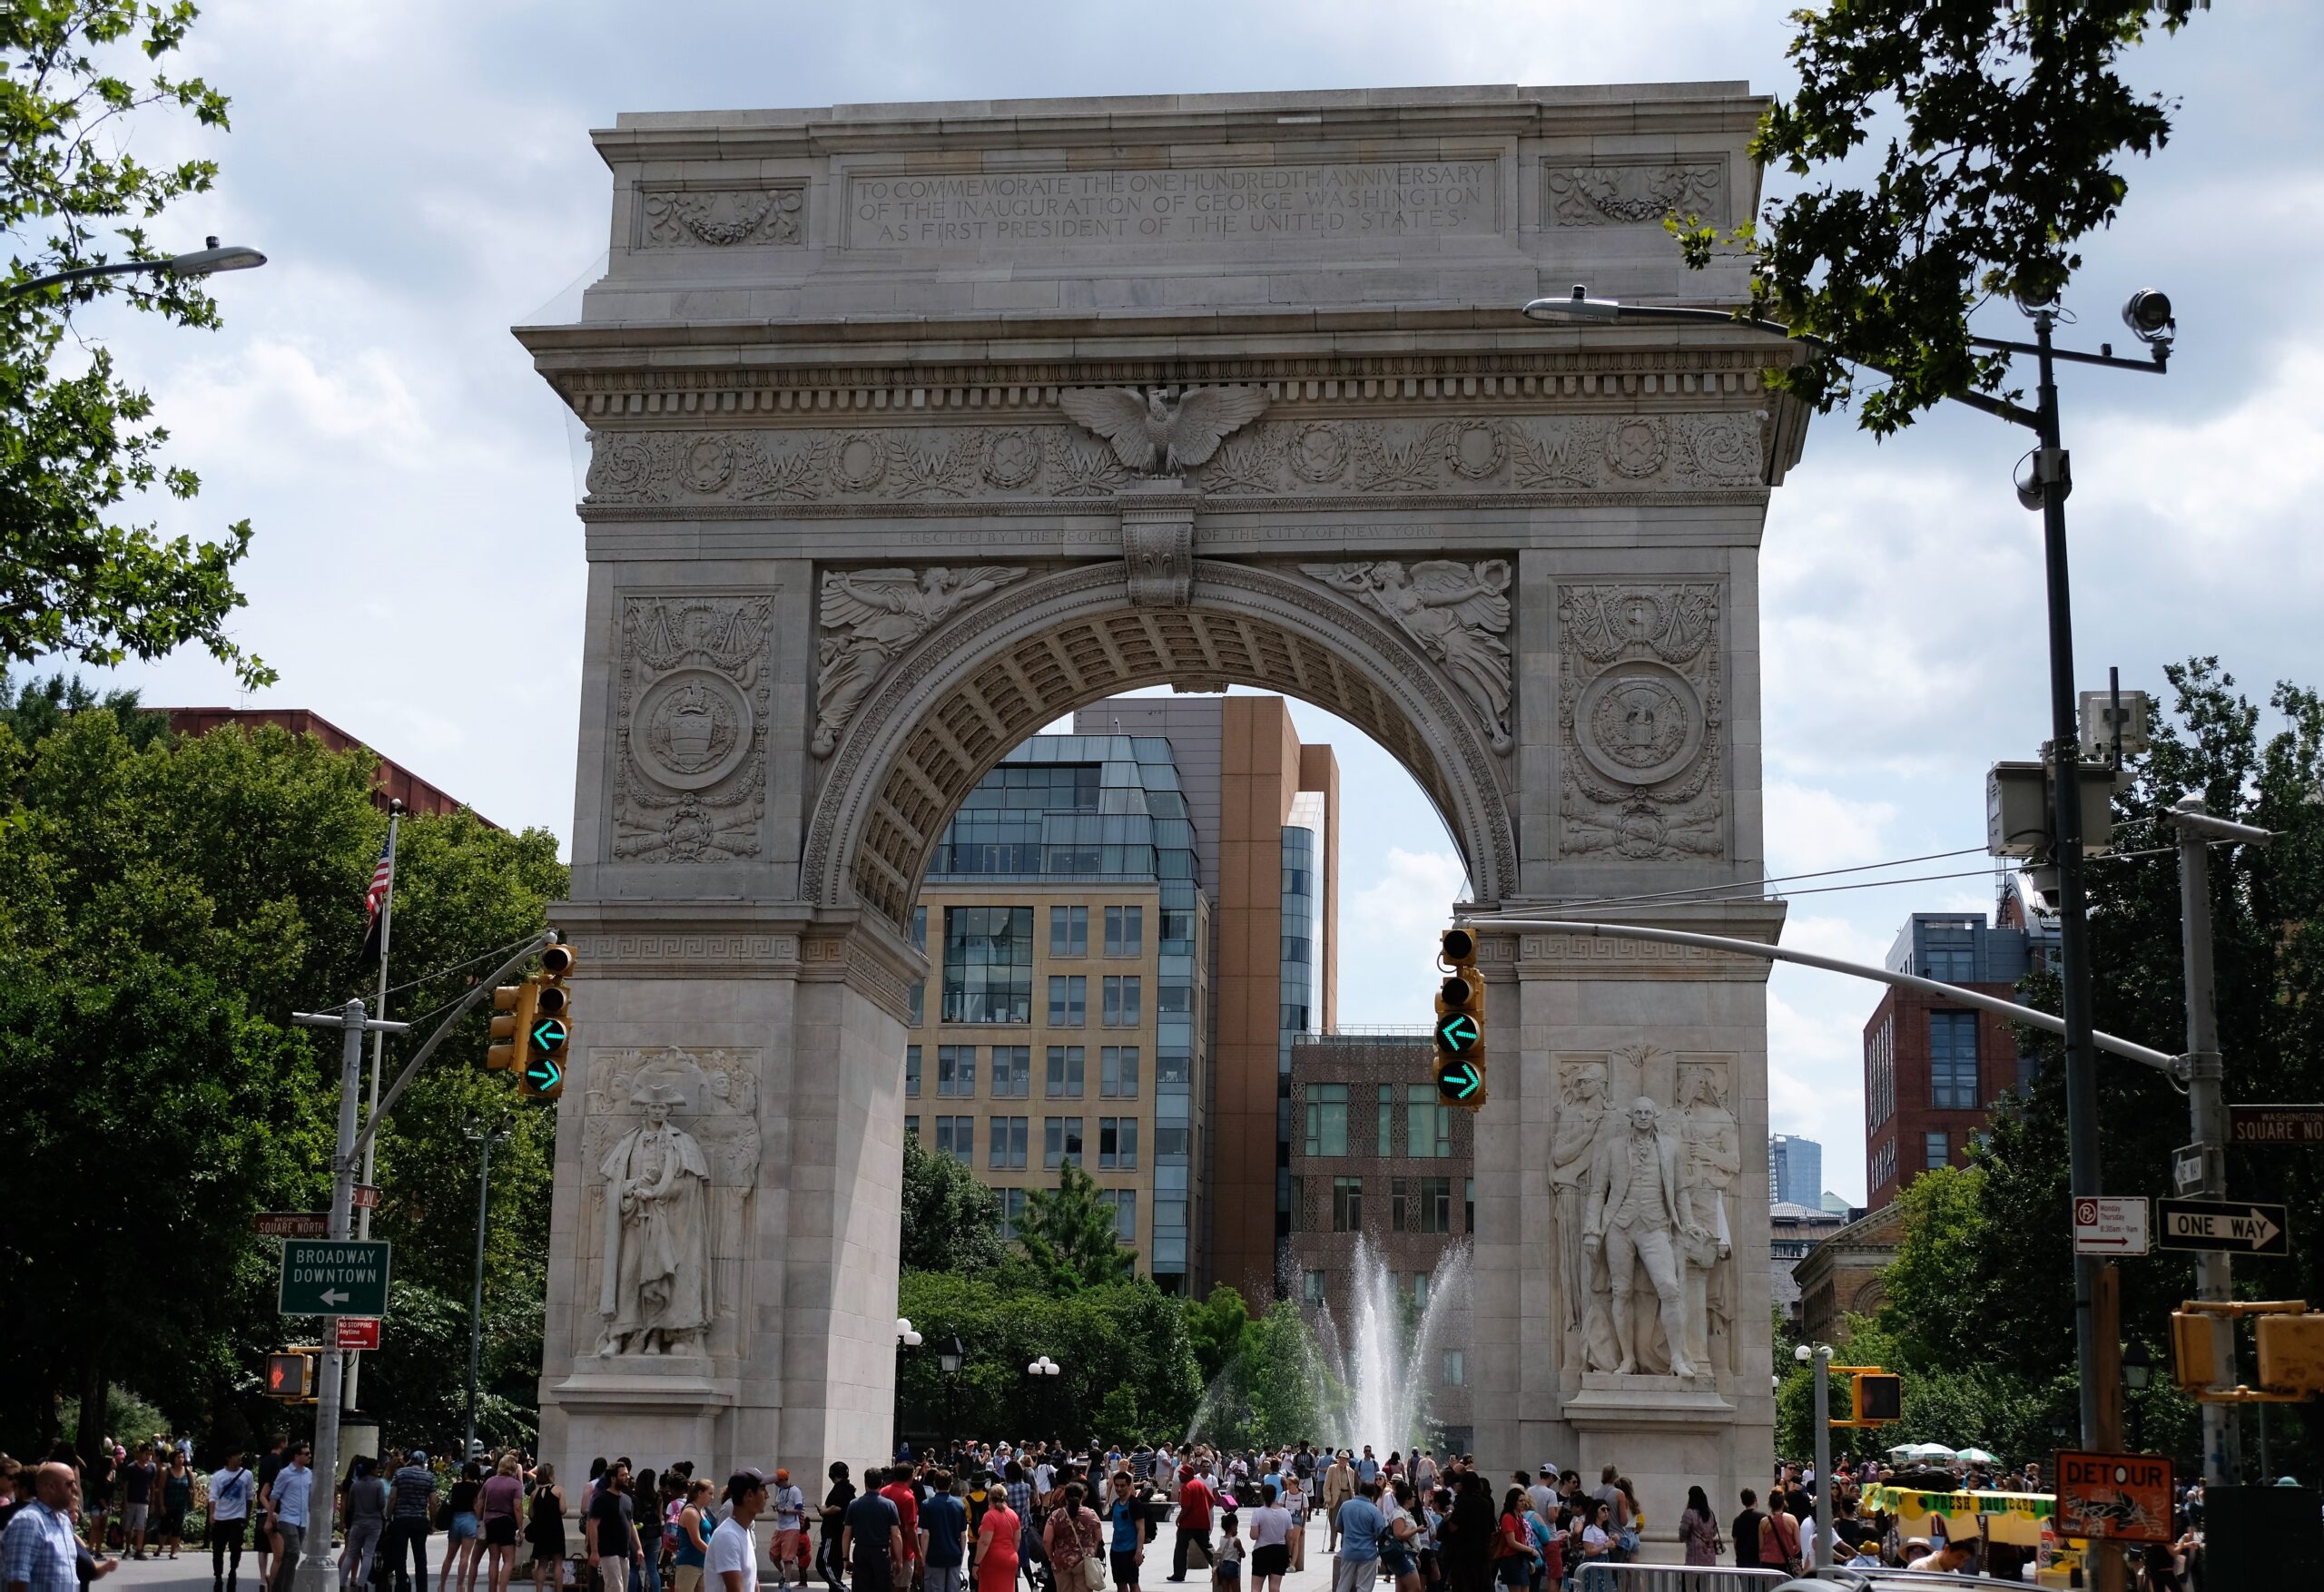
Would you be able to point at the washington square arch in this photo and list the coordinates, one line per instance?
(914, 428)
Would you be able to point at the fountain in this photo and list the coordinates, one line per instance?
(1365, 1382)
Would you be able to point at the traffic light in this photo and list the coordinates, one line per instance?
(512, 1006)
(1879, 1398)
(550, 1027)
(289, 1377)
(1459, 1031)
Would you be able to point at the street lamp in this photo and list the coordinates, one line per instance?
(949, 1357)
(207, 260)
(2138, 1368)
(1040, 1370)
(1819, 1355)
(2150, 317)
(905, 1337)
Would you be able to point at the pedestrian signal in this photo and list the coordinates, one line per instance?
(550, 1029)
(1879, 1398)
(289, 1377)
(1460, 1028)
(512, 1007)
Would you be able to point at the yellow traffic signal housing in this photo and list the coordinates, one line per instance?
(549, 1028)
(512, 1006)
(1879, 1398)
(1460, 1028)
(2194, 1354)
(289, 1377)
(2291, 1352)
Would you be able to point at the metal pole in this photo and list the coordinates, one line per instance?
(2073, 908)
(475, 1298)
(378, 1046)
(2206, 1103)
(1823, 1358)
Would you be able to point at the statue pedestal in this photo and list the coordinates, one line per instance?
(654, 1407)
(1665, 1433)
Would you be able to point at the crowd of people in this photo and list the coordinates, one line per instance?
(971, 1517)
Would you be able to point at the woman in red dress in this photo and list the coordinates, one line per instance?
(996, 1550)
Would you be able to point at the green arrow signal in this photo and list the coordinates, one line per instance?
(1460, 1082)
(544, 1074)
(550, 1034)
(1457, 1033)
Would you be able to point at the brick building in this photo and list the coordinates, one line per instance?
(1375, 1154)
(1841, 1276)
(1933, 1067)
(395, 781)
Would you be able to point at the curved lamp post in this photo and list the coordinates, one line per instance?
(207, 260)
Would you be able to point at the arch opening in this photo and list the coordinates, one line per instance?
(987, 678)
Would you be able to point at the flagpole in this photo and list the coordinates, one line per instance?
(378, 1040)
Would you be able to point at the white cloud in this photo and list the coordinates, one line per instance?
(1812, 830)
(1388, 927)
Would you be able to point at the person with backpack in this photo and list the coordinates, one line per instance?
(231, 1490)
(1779, 1539)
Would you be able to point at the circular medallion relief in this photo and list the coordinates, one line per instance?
(708, 465)
(691, 729)
(1636, 447)
(1011, 458)
(1475, 450)
(1639, 724)
(859, 460)
(1318, 451)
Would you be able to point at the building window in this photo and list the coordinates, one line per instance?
(1125, 1204)
(919, 943)
(1935, 1151)
(1006, 1137)
(1177, 930)
(1427, 1123)
(1298, 1205)
(1117, 1144)
(1420, 1205)
(1069, 932)
(1013, 1208)
(1069, 1001)
(1880, 1073)
(988, 965)
(1469, 1206)
(912, 1072)
(1950, 952)
(1061, 1142)
(911, 1126)
(1125, 931)
(1013, 1071)
(1327, 1119)
(957, 1136)
(1383, 1120)
(1882, 1169)
(1456, 1368)
(1066, 1068)
(1311, 1288)
(1347, 1205)
(956, 1069)
(1420, 1290)
(1118, 1072)
(1953, 1060)
(1124, 999)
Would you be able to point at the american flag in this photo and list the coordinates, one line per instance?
(383, 875)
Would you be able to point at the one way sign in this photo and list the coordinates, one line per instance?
(2235, 1226)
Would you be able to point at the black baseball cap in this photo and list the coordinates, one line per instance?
(743, 1482)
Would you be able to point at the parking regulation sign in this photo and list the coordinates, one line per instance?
(2113, 1224)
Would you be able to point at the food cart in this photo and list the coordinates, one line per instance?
(2022, 1519)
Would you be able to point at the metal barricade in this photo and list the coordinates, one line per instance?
(1635, 1578)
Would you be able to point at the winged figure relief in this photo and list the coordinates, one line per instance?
(870, 615)
(1156, 433)
(1455, 613)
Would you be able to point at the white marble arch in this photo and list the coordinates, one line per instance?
(1356, 667)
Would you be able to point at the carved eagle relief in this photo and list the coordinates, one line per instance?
(1153, 433)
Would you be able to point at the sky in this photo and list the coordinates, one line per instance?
(422, 178)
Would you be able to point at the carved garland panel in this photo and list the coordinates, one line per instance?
(1641, 716)
(815, 469)
(690, 728)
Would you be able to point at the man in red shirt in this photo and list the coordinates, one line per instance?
(899, 1492)
(1194, 1523)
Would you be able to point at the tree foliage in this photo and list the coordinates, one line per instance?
(1068, 1232)
(951, 1222)
(2010, 122)
(1981, 1282)
(165, 903)
(76, 440)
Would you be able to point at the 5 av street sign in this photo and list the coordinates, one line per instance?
(2235, 1226)
(334, 1276)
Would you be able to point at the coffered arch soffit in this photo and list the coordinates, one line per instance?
(983, 682)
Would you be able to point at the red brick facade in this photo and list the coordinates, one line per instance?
(1901, 1108)
(395, 781)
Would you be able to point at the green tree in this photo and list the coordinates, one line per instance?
(1220, 1327)
(2009, 124)
(951, 1222)
(1070, 1233)
(165, 903)
(76, 440)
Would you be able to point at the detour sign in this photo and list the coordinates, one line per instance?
(2113, 1498)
